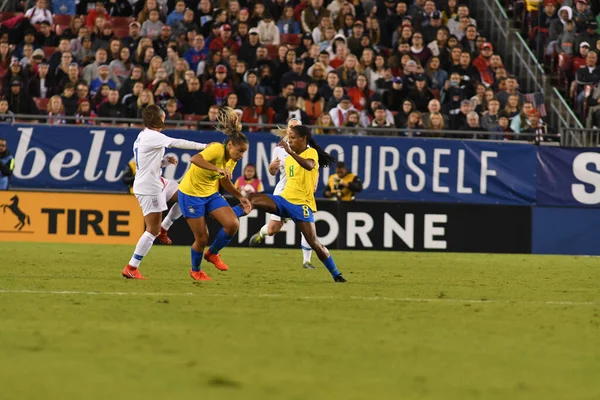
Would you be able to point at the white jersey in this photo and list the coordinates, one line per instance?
(280, 154)
(149, 151)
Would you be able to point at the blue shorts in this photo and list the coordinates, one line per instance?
(285, 209)
(198, 207)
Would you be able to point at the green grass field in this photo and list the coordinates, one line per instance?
(406, 326)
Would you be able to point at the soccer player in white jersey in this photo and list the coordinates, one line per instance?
(276, 224)
(150, 188)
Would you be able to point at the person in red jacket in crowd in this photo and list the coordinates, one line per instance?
(90, 20)
(482, 63)
(224, 40)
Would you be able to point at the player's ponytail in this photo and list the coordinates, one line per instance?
(229, 123)
(325, 159)
(282, 131)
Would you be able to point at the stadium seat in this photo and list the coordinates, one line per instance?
(121, 31)
(290, 38)
(272, 49)
(118, 22)
(6, 15)
(192, 117)
(59, 19)
(48, 51)
(41, 104)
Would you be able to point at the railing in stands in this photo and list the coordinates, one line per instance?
(580, 137)
(548, 139)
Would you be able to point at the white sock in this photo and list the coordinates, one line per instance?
(264, 231)
(172, 216)
(142, 248)
(306, 250)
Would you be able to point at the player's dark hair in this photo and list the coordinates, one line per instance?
(325, 159)
(152, 116)
(229, 123)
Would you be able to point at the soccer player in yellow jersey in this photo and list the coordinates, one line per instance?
(199, 193)
(297, 201)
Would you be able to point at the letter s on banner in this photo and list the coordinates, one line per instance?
(581, 172)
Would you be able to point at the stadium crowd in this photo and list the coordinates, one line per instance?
(419, 65)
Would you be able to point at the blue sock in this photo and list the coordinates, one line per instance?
(239, 212)
(330, 265)
(221, 241)
(196, 260)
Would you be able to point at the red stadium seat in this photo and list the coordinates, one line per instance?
(42, 104)
(48, 51)
(192, 117)
(121, 31)
(59, 19)
(118, 22)
(272, 49)
(6, 15)
(290, 38)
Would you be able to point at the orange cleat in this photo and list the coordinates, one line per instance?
(216, 260)
(130, 272)
(162, 236)
(199, 276)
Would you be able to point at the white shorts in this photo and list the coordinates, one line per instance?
(152, 204)
(278, 218)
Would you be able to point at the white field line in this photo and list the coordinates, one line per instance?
(279, 296)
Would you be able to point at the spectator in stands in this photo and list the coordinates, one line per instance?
(512, 108)
(163, 92)
(15, 71)
(312, 103)
(490, 118)
(434, 107)
(332, 81)
(90, 72)
(454, 24)
(146, 9)
(473, 125)
(380, 119)
(69, 100)
(99, 10)
(360, 93)
(177, 14)
(161, 43)
(41, 85)
(220, 86)
(353, 121)
(336, 97)
(196, 101)
(268, 32)
(131, 97)
(28, 55)
(582, 15)
(209, 121)
(39, 13)
(85, 115)
(339, 114)
(224, 40)
(113, 107)
(420, 94)
(46, 36)
(258, 113)
(102, 79)
(19, 101)
(292, 111)
(5, 114)
(56, 111)
(249, 88)
(171, 113)
(566, 40)
(249, 49)
(153, 25)
(29, 38)
(187, 24)
(61, 72)
(310, 15)
(511, 89)
(296, 76)
(519, 122)
(435, 126)
(145, 99)
(7, 161)
(324, 121)
(287, 23)
(589, 35)
(343, 185)
(121, 68)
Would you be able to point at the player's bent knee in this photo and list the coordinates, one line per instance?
(231, 227)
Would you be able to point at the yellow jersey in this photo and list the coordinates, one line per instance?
(200, 182)
(300, 185)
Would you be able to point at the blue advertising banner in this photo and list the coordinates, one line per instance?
(562, 230)
(428, 170)
(568, 177)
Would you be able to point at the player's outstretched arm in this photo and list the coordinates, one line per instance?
(185, 144)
